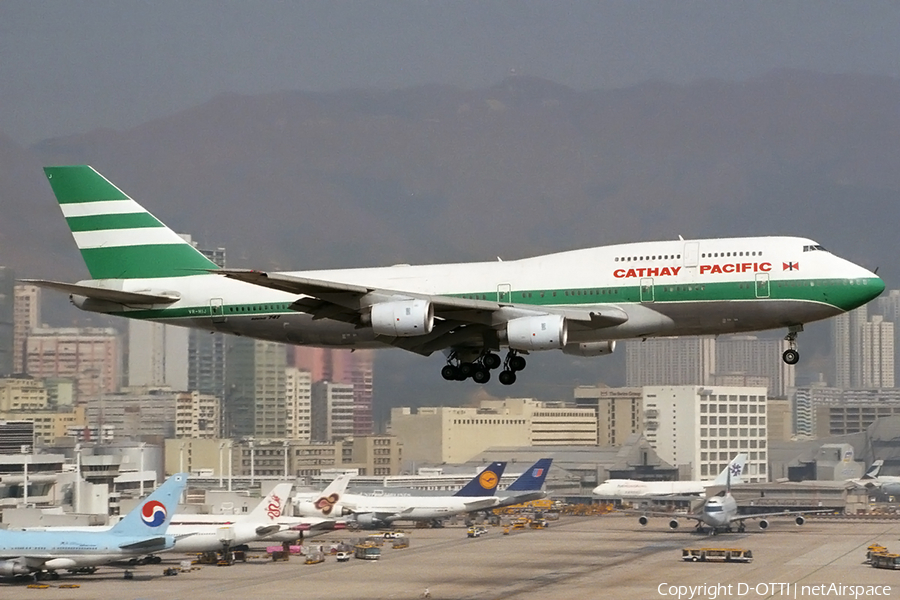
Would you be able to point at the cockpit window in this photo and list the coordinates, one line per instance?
(814, 248)
(713, 509)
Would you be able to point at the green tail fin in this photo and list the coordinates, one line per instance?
(117, 237)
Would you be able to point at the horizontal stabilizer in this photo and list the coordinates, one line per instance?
(105, 294)
(263, 530)
(481, 504)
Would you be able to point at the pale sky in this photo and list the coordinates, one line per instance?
(72, 66)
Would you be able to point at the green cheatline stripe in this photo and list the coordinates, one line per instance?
(839, 293)
(147, 261)
(81, 183)
(118, 221)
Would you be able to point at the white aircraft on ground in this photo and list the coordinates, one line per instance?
(142, 531)
(580, 301)
(889, 484)
(720, 513)
(381, 511)
(633, 488)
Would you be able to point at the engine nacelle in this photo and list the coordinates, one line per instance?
(546, 332)
(643, 520)
(11, 568)
(404, 318)
(590, 348)
(763, 524)
(673, 524)
(368, 521)
(799, 520)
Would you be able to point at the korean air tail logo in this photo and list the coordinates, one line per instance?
(153, 514)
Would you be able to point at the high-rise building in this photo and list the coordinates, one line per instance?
(255, 398)
(888, 306)
(670, 361)
(343, 366)
(206, 351)
(877, 353)
(197, 415)
(619, 411)
(134, 414)
(700, 429)
(332, 411)
(7, 318)
(16, 437)
(27, 316)
(89, 356)
(157, 355)
(847, 347)
(750, 356)
(298, 402)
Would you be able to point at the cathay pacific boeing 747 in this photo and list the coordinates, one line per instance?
(579, 301)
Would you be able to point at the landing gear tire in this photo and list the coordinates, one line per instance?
(791, 356)
(481, 376)
(467, 369)
(517, 363)
(491, 360)
(450, 373)
(507, 377)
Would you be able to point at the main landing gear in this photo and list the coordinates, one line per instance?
(480, 369)
(791, 356)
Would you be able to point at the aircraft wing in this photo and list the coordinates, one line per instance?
(462, 321)
(780, 513)
(481, 503)
(105, 294)
(146, 544)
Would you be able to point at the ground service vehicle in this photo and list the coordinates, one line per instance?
(885, 560)
(367, 551)
(716, 555)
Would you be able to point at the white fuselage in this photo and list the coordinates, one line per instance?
(633, 488)
(666, 288)
(416, 507)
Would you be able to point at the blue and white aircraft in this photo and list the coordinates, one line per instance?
(140, 532)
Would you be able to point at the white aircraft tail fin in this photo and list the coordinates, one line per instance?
(273, 505)
(734, 470)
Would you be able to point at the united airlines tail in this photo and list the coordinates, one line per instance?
(117, 237)
(734, 470)
(532, 479)
(485, 483)
(152, 516)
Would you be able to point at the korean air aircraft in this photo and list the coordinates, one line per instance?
(142, 531)
(580, 301)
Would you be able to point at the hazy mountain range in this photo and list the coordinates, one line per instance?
(297, 180)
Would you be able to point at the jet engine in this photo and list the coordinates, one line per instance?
(368, 521)
(11, 568)
(799, 520)
(673, 524)
(643, 520)
(590, 348)
(763, 524)
(546, 332)
(405, 318)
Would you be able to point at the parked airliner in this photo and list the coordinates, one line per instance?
(141, 531)
(579, 301)
(720, 513)
(612, 489)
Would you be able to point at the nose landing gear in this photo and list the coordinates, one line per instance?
(791, 356)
